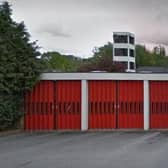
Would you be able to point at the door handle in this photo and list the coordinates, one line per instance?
(54, 107)
(116, 106)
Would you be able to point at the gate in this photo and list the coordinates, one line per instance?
(68, 105)
(130, 104)
(39, 114)
(102, 104)
(115, 104)
(158, 104)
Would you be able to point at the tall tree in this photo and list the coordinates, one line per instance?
(19, 66)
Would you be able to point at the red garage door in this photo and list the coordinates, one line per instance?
(39, 114)
(158, 104)
(115, 104)
(68, 105)
(130, 104)
(102, 104)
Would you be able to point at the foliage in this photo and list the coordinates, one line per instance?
(103, 64)
(10, 111)
(60, 63)
(103, 51)
(19, 66)
(102, 61)
(150, 58)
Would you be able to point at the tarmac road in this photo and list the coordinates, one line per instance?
(85, 150)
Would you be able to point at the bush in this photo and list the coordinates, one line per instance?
(10, 111)
(102, 64)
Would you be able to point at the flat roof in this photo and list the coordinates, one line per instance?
(104, 76)
(123, 33)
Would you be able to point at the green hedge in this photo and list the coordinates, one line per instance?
(10, 111)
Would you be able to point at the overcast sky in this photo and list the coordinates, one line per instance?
(77, 26)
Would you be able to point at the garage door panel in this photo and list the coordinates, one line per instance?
(38, 107)
(130, 100)
(158, 104)
(102, 99)
(68, 101)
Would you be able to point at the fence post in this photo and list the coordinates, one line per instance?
(146, 105)
(84, 115)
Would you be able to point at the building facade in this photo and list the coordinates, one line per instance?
(124, 50)
(97, 101)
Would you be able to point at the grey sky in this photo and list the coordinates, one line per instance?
(76, 26)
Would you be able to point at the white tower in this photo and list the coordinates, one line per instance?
(124, 49)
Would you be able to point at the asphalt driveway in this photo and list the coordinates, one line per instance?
(85, 150)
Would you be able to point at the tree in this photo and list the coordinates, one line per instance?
(19, 65)
(157, 57)
(103, 64)
(102, 61)
(54, 61)
(103, 51)
(144, 57)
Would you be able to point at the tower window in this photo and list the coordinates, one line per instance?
(132, 65)
(132, 53)
(131, 40)
(121, 52)
(120, 39)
